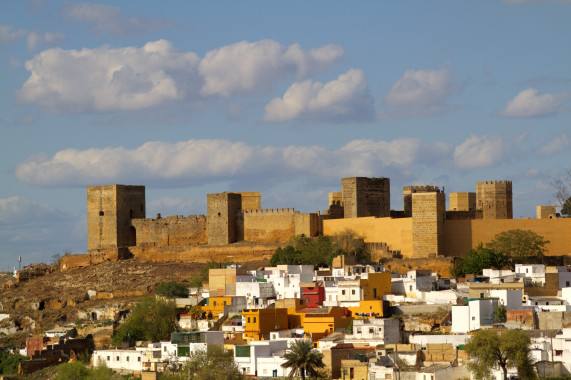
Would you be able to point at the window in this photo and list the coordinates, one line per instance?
(108, 358)
(224, 303)
(254, 319)
(248, 319)
(242, 351)
(101, 213)
(139, 359)
(214, 303)
(127, 358)
(371, 330)
(358, 331)
(380, 329)
(473, 318)
(558, 352)
(352, 291)
(343, 292)
(306, 299)
(117, 358)
(566, 284)
(165, 348)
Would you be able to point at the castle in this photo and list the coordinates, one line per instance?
(116, 220)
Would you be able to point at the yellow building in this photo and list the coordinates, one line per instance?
(215, 305)
(376, 285)
(222, 281)
(260, 322)
(367, 309)
(318, 323)
(354, 369)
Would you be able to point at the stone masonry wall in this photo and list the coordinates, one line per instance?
(495, 199)
(172, 230)
(110, 209)
(546, 212)
(222, 211)
(407, 192)
(366, 197)
(462, 202)
(428, 212)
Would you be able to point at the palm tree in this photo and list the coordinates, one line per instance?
(303, 358)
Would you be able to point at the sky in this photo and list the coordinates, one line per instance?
(286, 98)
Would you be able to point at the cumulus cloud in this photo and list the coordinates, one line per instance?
(195, 162)
(421, 92)
(346, 98)
(107, 19)
(246, 67)
(131, 78)
(18, 209)
(9, 35)
(556, 145)
(105, 79)
(479, 152)
(530, 103)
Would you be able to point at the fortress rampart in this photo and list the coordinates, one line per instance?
(118, 227)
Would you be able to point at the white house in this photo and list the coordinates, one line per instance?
(510, 298)
(531, 273)
(374, 331)
(499, 276)
(247, 356)
(286, 279)
(472, 317)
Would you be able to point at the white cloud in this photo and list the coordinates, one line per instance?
(106, 79)
(34, 39)
(196, 162)
(246, 67)
(18, 209)
(131, 78)
(9, 35)
(479, 152)
(107, 19)
(556, 145)
(529, 103)
(422, 92)
(346, 98)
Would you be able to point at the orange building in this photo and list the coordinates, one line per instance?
(260, 322)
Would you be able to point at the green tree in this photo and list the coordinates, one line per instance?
(566, 207)
(477, 259)
(151, 319)
(172, 289)
(350, 243)
(521, 246)
(79, 371)
(9, 362)
(500, 314)
(287, 255)
(487, 350)
(302, 358)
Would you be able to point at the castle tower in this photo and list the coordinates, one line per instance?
(366, 197)
(407, 192)
(222, 212)
(428, 214)
(462, 202)
(251, 200)
(494, 198)
(110, 210)
(546, 212)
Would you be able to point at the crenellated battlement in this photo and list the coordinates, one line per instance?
(271, 211)
(496, 182)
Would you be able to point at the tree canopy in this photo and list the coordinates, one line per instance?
(215, 363)
(320, 251)
(504, 251)
(488, 350)
(151, 319)
(302, 358)
(172, 289)
(562, 186)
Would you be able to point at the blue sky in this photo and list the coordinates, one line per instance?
(285, 98)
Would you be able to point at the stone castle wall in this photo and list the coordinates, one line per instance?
(109, 213)
(546, 212)
(462, 202)
(222, 211)
(495, 199)
(172, 230)
(407, 192)
(364, 197)
(428, 213)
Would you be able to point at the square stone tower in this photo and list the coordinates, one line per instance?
(364, 196)
(110, 209)
(222, 212)
(462, 202)
(546, 212)
(407, 192)
(495, 199)
(428, 214)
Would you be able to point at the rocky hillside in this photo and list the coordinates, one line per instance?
(62, 297)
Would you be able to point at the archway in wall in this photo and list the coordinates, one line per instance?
(132, 236)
